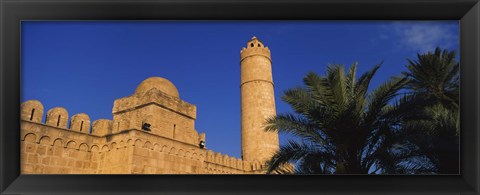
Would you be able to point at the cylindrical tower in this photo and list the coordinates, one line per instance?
(258, 102)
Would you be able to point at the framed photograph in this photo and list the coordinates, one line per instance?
(136, 96)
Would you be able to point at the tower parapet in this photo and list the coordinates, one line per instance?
(255, 48)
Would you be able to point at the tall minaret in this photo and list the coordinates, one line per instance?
(258, 102)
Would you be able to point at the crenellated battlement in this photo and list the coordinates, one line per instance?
(54, 146)
(155, 108)
(32, 110)
(255, 48)
(218, 163)
(255, 51)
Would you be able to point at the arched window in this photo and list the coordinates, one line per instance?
(259, 45)
(252, 45)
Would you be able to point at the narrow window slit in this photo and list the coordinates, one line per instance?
(58, 121)
(174, 127)
(31, 116)
(81, 126)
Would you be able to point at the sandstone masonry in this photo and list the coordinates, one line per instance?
(60, 144)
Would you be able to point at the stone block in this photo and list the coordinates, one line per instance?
(58, 151)
(28, 168)
(94, 165)
(23, 157)
(30, 147)
(46, 160)
(86, 165)
(32, 159)
(81, 155)
(64, 170)
(72, 153)
(41, 149)
(62, 162)
(51, 170)
(49, 150)
(79, 164)
(39, 169)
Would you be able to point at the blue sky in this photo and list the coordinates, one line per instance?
(85, 66)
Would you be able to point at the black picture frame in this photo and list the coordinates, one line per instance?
(14, 11)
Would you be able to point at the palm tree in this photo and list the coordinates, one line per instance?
(339, 127)
(434, 141)
(434, 77)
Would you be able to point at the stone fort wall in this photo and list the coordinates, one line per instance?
(51, 148)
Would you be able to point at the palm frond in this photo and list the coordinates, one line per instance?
(293, 152)
(350, 80)
(300, 100)
(381, 96)
(295, 125)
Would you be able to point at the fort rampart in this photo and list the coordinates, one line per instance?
(89, 148)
